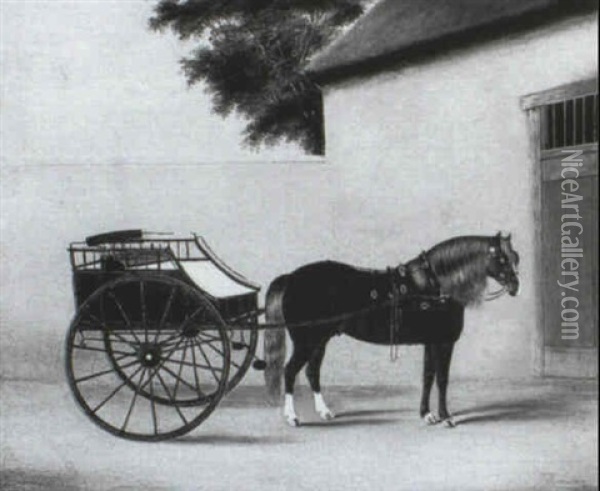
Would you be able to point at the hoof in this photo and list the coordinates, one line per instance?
(449, 422)
(431, 419)
(293, 422)
(327, 415)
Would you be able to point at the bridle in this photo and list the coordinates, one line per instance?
(489, 296)
(403, 275)
(496, 254)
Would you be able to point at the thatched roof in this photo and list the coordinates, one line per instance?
(396, 30)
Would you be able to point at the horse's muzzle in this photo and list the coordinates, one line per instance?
(514, 287)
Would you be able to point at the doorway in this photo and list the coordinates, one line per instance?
(567, 232)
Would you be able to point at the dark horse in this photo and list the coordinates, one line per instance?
(420, 302)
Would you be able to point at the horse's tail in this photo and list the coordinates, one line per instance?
(274, 339)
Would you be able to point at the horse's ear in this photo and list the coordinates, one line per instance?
(499, 235)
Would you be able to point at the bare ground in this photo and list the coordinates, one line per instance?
(539, 434)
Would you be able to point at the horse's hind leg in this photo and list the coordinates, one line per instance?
(313, 373)
(297, 361)
(429, 368)
(444, 356)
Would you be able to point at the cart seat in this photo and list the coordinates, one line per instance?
(212, 280)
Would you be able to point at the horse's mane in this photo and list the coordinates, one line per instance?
(461, 267)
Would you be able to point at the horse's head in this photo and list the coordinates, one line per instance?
(503, 264)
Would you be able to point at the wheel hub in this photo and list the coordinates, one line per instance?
(190, 331)
(150, 355)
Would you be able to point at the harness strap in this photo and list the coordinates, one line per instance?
(395, 311)
(426, 266)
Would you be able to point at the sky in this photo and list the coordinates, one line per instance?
(87, 82)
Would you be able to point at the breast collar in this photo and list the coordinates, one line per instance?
(417, 276)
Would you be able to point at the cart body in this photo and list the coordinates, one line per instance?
(190, 260)
(163, 329)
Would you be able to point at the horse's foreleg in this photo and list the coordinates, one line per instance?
(297, 361)
(313, 373)
(444, 356)
(428, 378)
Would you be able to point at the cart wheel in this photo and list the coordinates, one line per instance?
(148, 357)
(243, 344)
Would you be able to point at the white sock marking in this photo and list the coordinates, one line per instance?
(289, 412)
(321, 408)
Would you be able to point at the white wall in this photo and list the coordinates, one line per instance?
(86, 82)
(441, 149)
(262, 219)
(100, 133)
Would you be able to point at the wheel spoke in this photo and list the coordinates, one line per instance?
(168, 344)
(174, 375)
(82, 338)
(195, 368)
(195, 364)
(210, 327)
(215, 349)
(143, 309)
(192, 316)
(153, 406)
(168, 357)
(166, 312)
(114, 298)
(171, 398)
(173, 336)
(112, 394)
(124, 315)
(90, 348)
(158, 367)
(104, 372)
(94, 318)
(135, 394)
(112, 340)
(181, 348)
(180, 368)
(120, 337)
(210, 339)
(125, 355)
(210, 367)
(105, 328)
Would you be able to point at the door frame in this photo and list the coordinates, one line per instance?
(532, 104)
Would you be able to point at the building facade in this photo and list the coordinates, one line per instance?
(436, 117)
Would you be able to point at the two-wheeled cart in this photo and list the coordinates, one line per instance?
(163, 329)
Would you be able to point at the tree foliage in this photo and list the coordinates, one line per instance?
(251, 56)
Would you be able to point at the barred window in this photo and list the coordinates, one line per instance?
(570, 122)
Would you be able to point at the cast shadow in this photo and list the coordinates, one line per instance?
(339, 422)
(517, 411)
(367, 413)
(214, 439)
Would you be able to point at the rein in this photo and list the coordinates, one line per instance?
(496, 294)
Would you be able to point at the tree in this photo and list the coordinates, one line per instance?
(251, 56)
